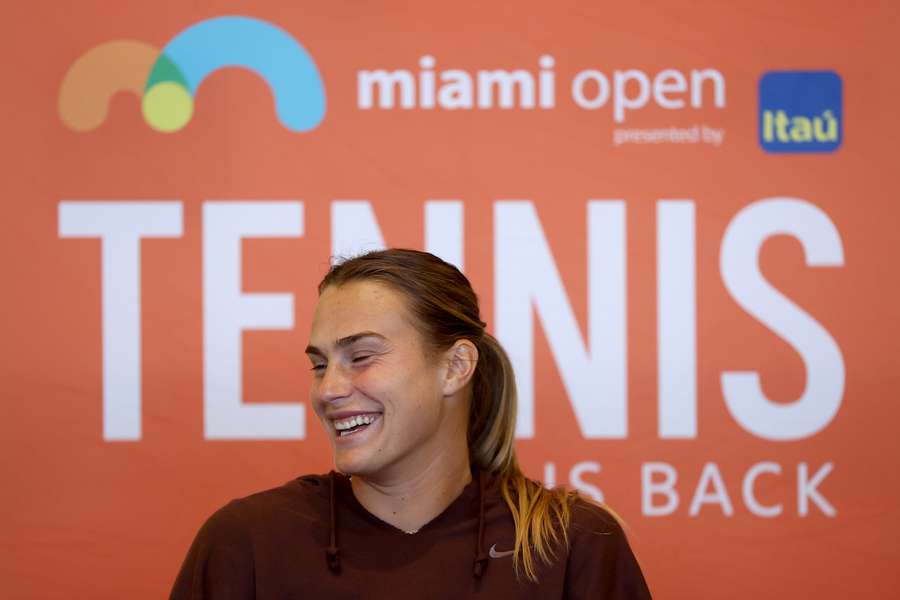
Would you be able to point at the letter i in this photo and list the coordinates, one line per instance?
(426, 82)
(546, 82)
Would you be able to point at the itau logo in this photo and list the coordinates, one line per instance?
(800, 111)
(166, 80)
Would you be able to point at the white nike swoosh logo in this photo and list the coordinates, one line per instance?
(493, 553)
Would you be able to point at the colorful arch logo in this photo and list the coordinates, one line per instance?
(167, 79)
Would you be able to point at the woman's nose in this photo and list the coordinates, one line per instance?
(334, 383)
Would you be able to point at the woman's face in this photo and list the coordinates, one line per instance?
(377, 389)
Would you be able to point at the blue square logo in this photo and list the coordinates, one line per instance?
(800, 111)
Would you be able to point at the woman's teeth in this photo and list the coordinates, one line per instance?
(347, 426)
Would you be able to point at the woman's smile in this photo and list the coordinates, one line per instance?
(355, 426)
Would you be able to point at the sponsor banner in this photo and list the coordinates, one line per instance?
(679, 220)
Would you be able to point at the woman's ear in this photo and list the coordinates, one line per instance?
(461, 360)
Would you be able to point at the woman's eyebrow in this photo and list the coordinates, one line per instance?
(346, 341)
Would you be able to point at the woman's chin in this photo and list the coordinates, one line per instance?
(355, 453)
(354, 461)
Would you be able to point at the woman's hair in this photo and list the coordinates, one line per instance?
(441, 298)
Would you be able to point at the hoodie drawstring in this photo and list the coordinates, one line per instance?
(332, 554)
(481, 559)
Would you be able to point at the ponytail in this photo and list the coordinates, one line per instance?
(541, 515)
(492, 417)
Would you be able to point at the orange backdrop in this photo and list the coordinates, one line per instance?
(98, 508)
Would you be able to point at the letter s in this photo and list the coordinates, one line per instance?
(739, 266)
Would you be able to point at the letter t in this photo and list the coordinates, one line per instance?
(121, 225)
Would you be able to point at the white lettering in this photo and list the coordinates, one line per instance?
(120, 226)
(651, 488)
(754, 505)
(621, 101)
(739, 265)
(575, 477)
(718, 495)
(354, 229)
(546, 82)
(549, 475)
(426, 82)
(806, 490)
(444, 230)
(386, 82)
(227, 312)
(669, 81)
(578, 93)
(505, 82)
(697, 79)
(594, 375)
(676, 305)
(456, 90)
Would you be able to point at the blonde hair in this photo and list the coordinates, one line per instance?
(446, 307)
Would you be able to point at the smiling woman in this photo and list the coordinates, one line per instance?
(419, 403)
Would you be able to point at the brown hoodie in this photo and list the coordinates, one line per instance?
(311, 538)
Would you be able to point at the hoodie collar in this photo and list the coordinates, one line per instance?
(339, 486)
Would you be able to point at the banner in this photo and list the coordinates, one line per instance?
(680, 219)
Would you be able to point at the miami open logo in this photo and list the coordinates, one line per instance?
(166, 80)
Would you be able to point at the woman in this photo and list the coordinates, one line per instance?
(427, 499)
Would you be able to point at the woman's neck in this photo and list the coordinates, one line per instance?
(408, 502)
